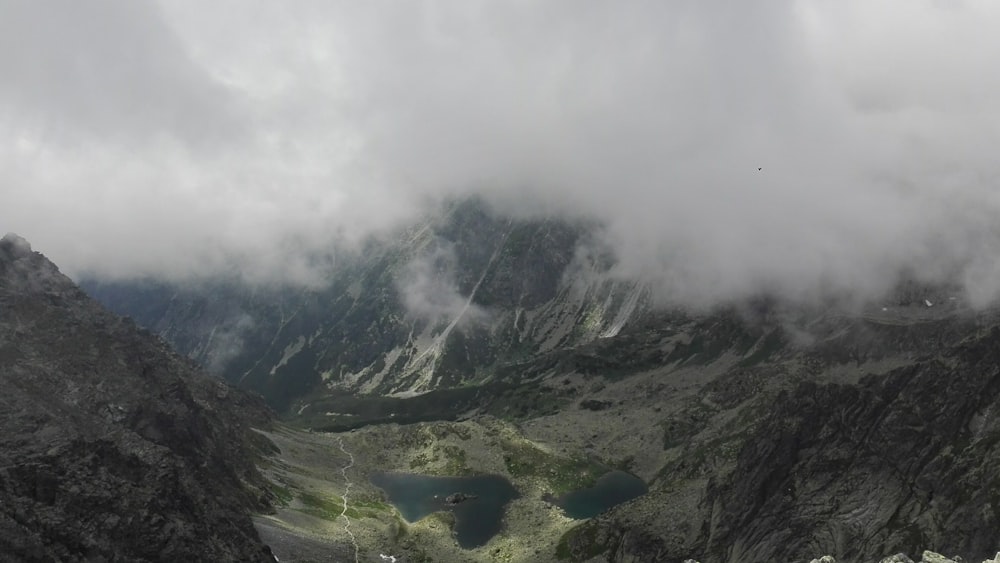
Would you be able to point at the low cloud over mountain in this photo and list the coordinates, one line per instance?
(797, 147)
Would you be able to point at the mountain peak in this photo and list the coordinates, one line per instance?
(14, 246)
(24, 272)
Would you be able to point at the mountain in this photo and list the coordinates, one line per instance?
(445, 305)
(897, 454)
(113, 447)
(766, 430)
(923, 440)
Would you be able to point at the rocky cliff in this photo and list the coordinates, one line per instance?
(112, 447)
(875, 437)
(908, 458)
(766, 430)
(443, 304)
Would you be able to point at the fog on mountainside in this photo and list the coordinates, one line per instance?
(745, 253)
(728, 149)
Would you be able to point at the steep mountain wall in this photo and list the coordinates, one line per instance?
(112, 446)
(766, 430)
(906, 458)
(443, 305)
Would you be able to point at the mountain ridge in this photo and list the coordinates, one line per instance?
(709, 406)
(114, 447)
(463, 293)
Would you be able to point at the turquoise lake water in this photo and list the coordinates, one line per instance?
(476, 520)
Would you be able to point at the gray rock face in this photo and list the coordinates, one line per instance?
(462, 295)
(113, 448)
(900, 460)
(786, 432)
(876, 437)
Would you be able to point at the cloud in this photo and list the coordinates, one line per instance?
(429, 291)
(108, 70)
(225, 342)
(180, 138)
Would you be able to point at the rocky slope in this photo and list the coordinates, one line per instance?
(112, 447)
(767, 431)
(443, 305)
(875, 437)
(922, 439)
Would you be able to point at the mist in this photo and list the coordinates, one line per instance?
(429, 291)
(727, 148)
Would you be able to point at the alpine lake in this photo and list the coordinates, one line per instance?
(478, 502)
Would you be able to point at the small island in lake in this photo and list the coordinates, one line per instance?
(416, 496)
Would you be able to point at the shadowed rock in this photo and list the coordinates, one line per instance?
(458, 498)
(114, 448)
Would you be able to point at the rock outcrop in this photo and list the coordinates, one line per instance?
(458, 498)
(768, 430)
(902, 460)
(112, 447)
(452, 299)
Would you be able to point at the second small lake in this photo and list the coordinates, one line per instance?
(610, 490)
(476, 519)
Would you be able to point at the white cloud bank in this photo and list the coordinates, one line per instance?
(187, 137)
(429, 291)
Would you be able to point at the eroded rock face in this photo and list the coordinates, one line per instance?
(504, 290)
(885, 447)
(879, 438)
(906, 460)
(112, 447)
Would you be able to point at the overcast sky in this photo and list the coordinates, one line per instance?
(185, 137)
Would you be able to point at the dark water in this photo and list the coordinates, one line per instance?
(610, 490)
(476, 520)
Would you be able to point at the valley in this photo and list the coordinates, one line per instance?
(309, 523)
(478, 344)
(703, 416)
(499, 282)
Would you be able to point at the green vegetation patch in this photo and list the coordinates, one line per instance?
(562, 475)
(282, 493)
(324, 507)
(356, 411)
(330, 508)
(456, 460)
(509, 400)
(579, 544)
(443, 430)
(454, 457)
(370, 503)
